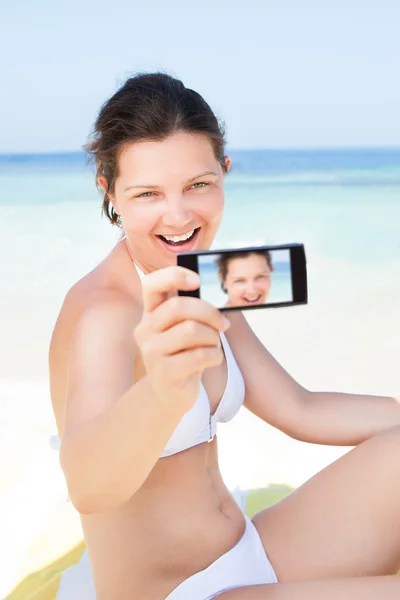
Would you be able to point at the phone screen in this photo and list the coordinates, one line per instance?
(250, 277)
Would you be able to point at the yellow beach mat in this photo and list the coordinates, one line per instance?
(44, 584)
(55, 582)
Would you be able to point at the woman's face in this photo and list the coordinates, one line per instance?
(170, 197)
(248, 280)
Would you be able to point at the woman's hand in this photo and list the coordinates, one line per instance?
(178, 336)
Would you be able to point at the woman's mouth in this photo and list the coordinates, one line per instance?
(253, 300)
(180, 243)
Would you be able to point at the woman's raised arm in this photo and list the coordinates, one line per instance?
(115, 430)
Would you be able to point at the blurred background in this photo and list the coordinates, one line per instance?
(310, 95)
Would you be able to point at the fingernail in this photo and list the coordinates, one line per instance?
(193, 279)
(226, 323)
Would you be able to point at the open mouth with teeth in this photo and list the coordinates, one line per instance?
(253, 300)
(179, 240)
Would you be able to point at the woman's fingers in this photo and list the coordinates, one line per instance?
(183, 336)
(182, 308)
(194, 361)
(158, 285)
(178, 336)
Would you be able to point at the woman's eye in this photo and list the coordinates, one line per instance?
(199, 184)
(145, 195)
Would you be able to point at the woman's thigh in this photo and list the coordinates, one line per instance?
(343, 522)
(359, 588)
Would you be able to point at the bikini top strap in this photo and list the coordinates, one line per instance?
(139, 272)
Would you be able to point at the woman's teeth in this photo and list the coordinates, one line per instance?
(178, 239)
(253, 299)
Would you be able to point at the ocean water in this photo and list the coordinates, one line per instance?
(344, 205)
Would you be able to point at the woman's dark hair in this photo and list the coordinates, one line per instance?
(148, 107)
(225, 257)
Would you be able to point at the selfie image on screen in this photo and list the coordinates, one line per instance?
(250, 278)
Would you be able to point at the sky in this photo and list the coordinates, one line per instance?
(279, 73)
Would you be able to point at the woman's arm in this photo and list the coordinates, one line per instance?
(317, 417)
(339, 419)
(114, 431)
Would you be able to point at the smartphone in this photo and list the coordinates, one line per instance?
(248, 278)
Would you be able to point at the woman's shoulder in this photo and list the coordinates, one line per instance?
(107, 287)
(97, 304)
(94, 294)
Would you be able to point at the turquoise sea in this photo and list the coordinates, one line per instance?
(344, 205)
(339, 200)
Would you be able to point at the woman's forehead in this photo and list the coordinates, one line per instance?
(251, 261)
(180, 156)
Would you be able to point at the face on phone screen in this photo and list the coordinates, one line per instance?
(245, 279)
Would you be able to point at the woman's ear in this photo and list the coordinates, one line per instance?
(102, 182)
(227, 163)
(223, 288)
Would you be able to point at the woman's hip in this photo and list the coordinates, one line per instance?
(245, 564)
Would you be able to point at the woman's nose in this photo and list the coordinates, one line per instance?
(251, 287)
(177, 215)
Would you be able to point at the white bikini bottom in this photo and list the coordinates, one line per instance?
(245, 564)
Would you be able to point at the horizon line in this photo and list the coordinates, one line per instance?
(230, 149)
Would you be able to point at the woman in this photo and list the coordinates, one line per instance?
(245, 277)
(140, 376)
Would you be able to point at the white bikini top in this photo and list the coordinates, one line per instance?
(199, 425)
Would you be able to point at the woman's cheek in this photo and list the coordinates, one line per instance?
(144, 218)
(213, 206)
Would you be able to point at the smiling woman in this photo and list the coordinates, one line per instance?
(140, 379)
(135, 193)
(245, 277)
(171, 213)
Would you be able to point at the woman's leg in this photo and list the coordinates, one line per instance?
(358, 588)
(344, 522)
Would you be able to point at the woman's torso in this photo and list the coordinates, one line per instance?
(183, 517)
